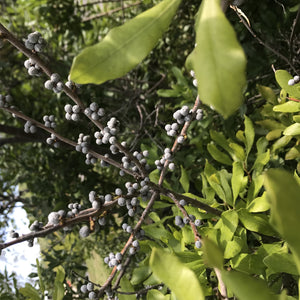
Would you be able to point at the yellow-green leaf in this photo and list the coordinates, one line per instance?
(181, 280)
(218, 60)
(283, 192)
(124, 47)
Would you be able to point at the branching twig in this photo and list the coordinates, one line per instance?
(260, 41)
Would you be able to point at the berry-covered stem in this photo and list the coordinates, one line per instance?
(176, 144)
(6, 34)
(69, 142)
(84, 215)
(129, 241)
(186, 215)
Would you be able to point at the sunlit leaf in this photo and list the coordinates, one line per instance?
(218, 60)
(181, 280)
(246, 287)
(283, 192)
(124, 46)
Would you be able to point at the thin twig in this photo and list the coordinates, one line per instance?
(260, 41)
(100, 15)
(296, 20)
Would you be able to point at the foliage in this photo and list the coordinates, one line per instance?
(218, 218)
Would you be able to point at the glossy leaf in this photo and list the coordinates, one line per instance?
(268, 94)
(255, 222)
(212, 254)
(184, 180)
(283, 193)
(249, 134)
(282, 78)
(181, 280)
(292, 130)
(218, 155)
(29, 292)
(157, 295)
(289, 106)
(233, 247)
(218, 60)
(237, 178)
(59, 289)
(124, 47)
(246, 287)
(230, 221)
(281, 263)
(259, 204)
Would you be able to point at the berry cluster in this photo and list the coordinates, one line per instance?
(32, 67)
(97, 201)
(199, 114)
(140, 156)
(72, 112)
(54, 83)
(180, 222)
(195, 82)
(49, 121)
(107, 135)
(29, 127)
(166, 156)
(114, 260)
(94, 111)
(52, 140)
(74, 209)
(183, 115)
(5, 100)
(13, 234)
(83, 143)
(36, 226)
(70, 84)
(294, 80)
(89, 288)
(35, 42)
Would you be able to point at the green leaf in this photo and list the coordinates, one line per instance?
(282, 78)
(289, 106)
(218, 60)
(230, 221)
(184, 180)
(282, 142)
(126, 287)
(292, 130)
(283, 193)
(220, 139)
(157, 295)
(59, 290)
(233, 247)
(29, 292)
(268, 94)
(237, 178)
(259, 204)
(281, 263)
(249, 134)
(212, 254)
(140, 274)
(168, 93)
(246, 287)
(274, 134)
(181, 280)
(124, 47)
(255, 222)
(238, 151)
(219, 155)
(41, 282)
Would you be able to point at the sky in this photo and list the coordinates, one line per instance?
(19, 258)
